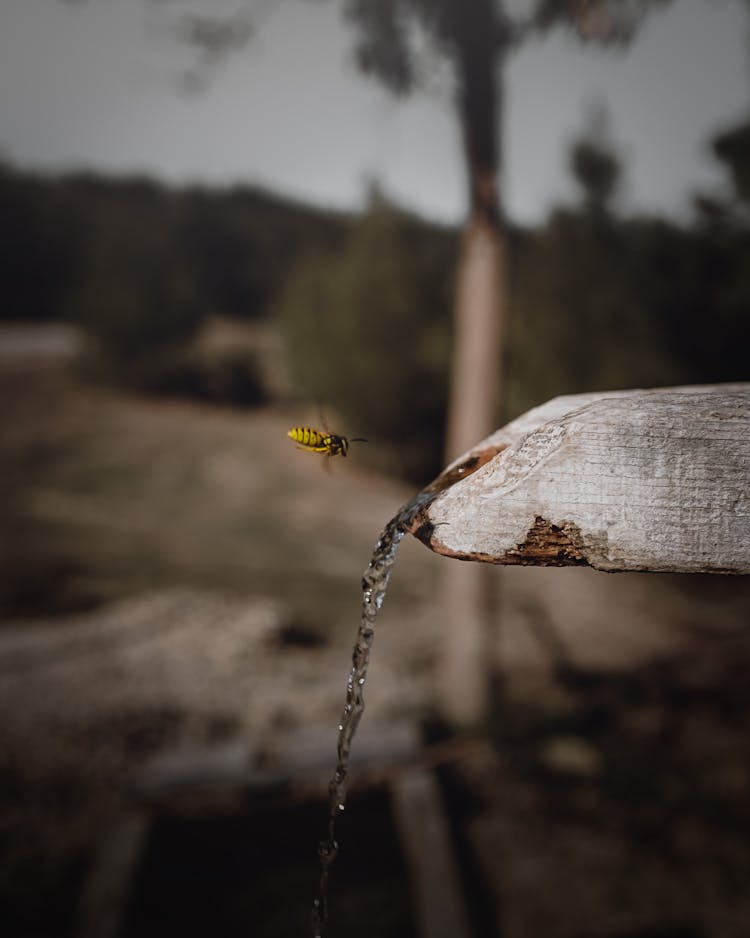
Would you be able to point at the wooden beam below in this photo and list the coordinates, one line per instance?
(425, 834)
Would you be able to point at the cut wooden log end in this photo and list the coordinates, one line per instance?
(629, 480)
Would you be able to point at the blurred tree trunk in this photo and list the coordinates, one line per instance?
(477, 37)
(463, 679)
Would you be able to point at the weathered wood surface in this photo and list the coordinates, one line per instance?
(630, 480)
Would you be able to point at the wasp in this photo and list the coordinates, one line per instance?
(321, 441)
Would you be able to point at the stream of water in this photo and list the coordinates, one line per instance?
(374, 587)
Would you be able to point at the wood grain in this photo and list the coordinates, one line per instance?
(629, 480)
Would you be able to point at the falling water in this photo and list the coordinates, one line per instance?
(374, 586)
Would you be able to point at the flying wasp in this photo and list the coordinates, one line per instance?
(321, 441)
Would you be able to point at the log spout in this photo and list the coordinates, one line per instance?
(631, 480)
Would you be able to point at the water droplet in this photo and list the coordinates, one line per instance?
(327, 851)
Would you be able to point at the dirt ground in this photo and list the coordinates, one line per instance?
(179, 579)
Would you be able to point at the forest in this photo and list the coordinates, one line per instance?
(599, 299)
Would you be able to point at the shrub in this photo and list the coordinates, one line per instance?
(367, 330)
(136, 298)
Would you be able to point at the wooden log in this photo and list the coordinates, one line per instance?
(107, 891)
(630, 480)
(439, 901)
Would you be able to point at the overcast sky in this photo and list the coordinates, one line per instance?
(96, 84)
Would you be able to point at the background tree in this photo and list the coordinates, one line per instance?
(595, 165)
(732, 147)
(476, 38)
(137, 299)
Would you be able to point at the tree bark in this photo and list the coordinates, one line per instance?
(462, 678)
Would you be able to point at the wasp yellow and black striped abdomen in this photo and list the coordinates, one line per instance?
(309, 438)
(318, 441)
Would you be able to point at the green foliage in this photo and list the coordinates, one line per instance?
(367, 330)
(608, 22)
(732, 147)
(390, 36)
(600, 302)
(580, 319)
(237, 243)
(136, 297)
(241, 243)
(596, 169)
(37, 248)
(140, 267)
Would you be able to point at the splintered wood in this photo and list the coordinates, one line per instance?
(629, 480)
